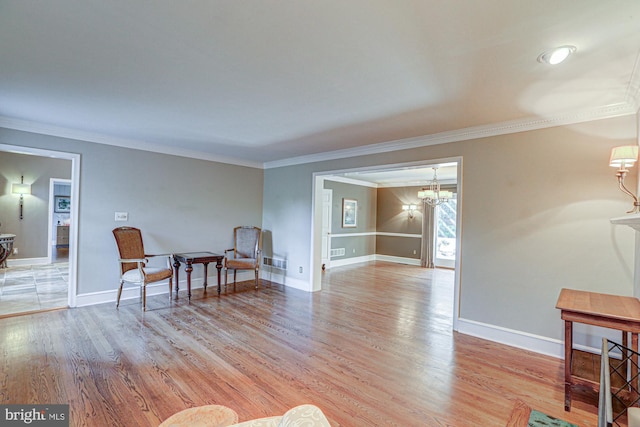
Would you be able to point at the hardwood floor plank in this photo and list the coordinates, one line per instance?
(373, 348)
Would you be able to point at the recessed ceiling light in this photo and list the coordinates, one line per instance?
(557, 55)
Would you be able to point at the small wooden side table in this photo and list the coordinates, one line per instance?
(191, 258)
(609, 311)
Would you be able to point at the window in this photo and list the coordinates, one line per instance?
(445, 241)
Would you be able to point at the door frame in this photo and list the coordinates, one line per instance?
(327, 199)
(316, 222)
(75, 195)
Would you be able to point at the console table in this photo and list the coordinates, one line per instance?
(609, 311)
(191, 258)
(6, 248)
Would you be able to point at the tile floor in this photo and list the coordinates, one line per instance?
(33, 287)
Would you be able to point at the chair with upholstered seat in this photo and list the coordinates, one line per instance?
(245, 254)
(134, 263)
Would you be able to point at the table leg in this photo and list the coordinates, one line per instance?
(219, 268)
(176, 267)
(568, 359)
(206, 268)
(189, 269)
(634, 363)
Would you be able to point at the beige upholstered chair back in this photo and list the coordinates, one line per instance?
(129, 241)
(247, 242)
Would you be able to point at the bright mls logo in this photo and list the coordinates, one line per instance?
(34, 415)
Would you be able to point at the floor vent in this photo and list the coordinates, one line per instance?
(278, 263)
(338, 252)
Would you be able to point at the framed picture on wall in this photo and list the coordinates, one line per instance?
(349, 212)
(62, 204)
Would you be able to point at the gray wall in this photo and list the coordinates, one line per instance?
(360, 245)
(392, 219)
(535, 211)
(32, 231)
(181, 204)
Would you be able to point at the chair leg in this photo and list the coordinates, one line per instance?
(234, 278)
(170, 287)
(144, 297)
(226, 277)
(119, 293)
(257, 278)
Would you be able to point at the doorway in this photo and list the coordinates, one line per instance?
(398, 169)
(60, 202)
(70, 270)
(445, 233)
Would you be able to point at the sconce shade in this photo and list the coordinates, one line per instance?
(21, 188)
(625, 155)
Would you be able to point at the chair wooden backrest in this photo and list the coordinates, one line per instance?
(129, 242)
(246, 242)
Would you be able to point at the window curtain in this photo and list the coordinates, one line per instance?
(428, 216)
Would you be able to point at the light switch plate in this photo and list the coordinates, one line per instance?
(122, 216)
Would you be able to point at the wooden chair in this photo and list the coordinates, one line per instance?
(133, 263)
(245, 254)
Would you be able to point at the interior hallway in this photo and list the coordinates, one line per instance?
(33, 288)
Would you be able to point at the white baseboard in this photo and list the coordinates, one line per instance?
(374, 257)
(524, 340)
(398, 260)
(351, 261)
(158, 288)
(513, 338)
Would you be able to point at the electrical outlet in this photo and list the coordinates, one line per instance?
(300, 269)
(414, 252)
(122, 216)
(354, 251)
(15, 251)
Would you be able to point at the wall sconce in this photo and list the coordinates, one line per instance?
(410, 209)
(621, 157)
(21, 189)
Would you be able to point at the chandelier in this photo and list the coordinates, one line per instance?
(431, 194)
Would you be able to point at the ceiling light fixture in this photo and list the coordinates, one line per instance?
(431, 194)
(557, 55)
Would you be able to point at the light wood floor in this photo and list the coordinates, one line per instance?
(373, 348)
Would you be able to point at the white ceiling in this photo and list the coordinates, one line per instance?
(260, 82)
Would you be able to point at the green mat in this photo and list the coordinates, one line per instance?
(538, 419)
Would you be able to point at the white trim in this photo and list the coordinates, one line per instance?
(366, 233)
(513, 338)
(376, 233)
(503, 128)
(413, 236)
(398, 260)
(34, 127)
(524, 340)
(508, 127)
(162, 287)
(353, 260)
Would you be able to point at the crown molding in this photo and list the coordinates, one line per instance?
(476, 132)
(503, 128)
(39, 128)
(633, 90)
